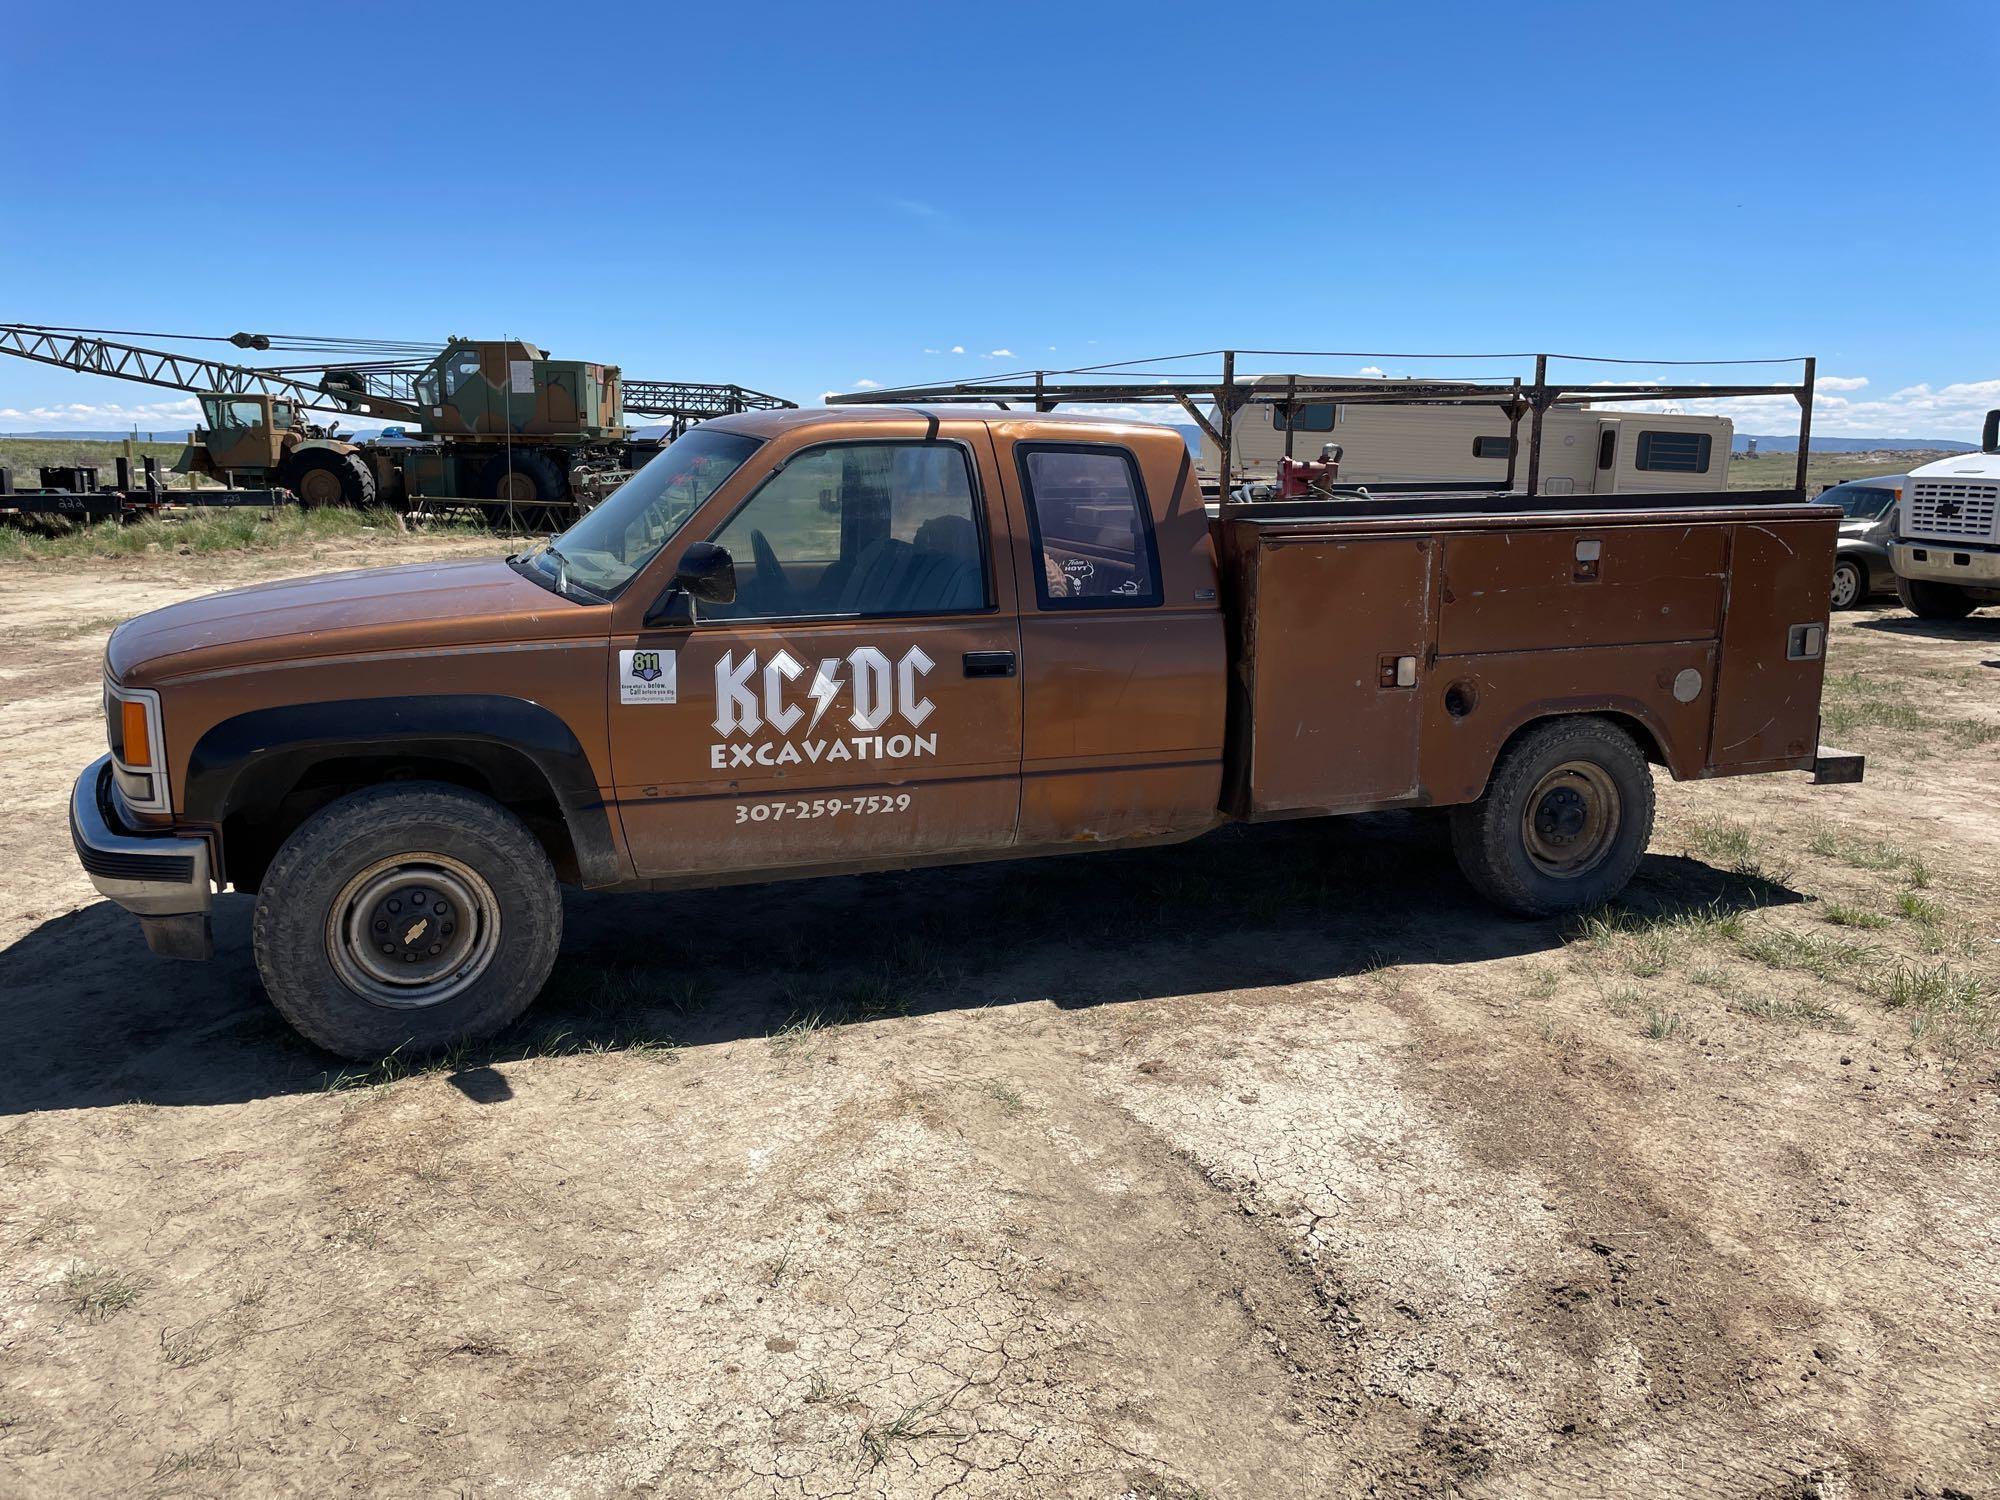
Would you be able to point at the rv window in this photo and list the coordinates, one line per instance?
(1307, 416)
(1492, 447)
(1607, 447)
(1674, 452)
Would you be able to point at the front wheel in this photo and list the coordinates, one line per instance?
(406, 916)
(1933, 601)
(1564, 821)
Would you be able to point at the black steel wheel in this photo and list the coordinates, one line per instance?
(409, 916)
(1565, 818)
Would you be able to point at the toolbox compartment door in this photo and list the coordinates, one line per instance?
(1773, 661)
(1338, 636)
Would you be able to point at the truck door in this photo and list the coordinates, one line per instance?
(859, 699)
(1124, 664)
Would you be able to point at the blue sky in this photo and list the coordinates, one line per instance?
(806, 197)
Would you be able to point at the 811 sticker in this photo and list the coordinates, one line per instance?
(646, 676)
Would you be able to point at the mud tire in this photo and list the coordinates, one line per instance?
(1934, 601)
(322, 478)
(1489, 836)
(292, 930)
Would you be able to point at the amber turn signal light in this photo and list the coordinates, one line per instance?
(137, 749)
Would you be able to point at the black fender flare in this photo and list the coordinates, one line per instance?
(514, 744)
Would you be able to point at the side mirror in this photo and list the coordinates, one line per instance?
(707, 572)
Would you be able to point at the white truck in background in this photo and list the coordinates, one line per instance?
(1946, 551)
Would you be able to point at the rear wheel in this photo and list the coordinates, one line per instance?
(521, 483)
(1933, 601)
(406, 916)
(1849, 583)
(322, 477)
(1564, 821)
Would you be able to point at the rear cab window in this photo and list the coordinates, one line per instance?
(1090, 526)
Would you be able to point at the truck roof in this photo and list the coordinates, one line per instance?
(1015, 423)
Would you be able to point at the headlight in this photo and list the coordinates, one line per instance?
(138, 747)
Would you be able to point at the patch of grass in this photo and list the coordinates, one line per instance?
(1840, 914)
(98, 1292)
(823, 1392)
(1544, 981)
(1864, 854)
(1666, 1025)
(1934, 987)
(202, 532)
(1804, 1010)
(1622, 998)
(1005, 1095)
(1648, 944)
(1822, 957)
(908, 1425)
(1918, 908)
(1710, 978)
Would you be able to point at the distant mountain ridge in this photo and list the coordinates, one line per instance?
(1789, 443)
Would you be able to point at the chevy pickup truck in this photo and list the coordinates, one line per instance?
(806, 643)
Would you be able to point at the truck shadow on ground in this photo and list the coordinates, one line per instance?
(90, 1019)
(1975, 628)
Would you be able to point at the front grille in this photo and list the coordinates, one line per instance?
(1966, 512)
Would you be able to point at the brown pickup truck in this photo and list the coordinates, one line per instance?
(817, 642)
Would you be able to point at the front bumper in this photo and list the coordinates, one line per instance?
(1947, 562)
(160, 878)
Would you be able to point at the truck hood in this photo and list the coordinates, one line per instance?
(1961, 466)
(418, 605)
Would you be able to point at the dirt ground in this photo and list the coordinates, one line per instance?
(1274, 1165)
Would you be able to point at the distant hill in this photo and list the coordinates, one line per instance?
(1789, 443)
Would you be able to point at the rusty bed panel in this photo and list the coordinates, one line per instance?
(1592, 586)
(1767, 696)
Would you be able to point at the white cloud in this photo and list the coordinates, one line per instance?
(1373, 371)
(999, 353)
(1948, 411)
(147, 417)
(958, 348)
(933, 351)
(865, 384)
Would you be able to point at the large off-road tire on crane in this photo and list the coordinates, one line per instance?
(406, 917)
(326, 477)
(1934, 601)
(517, 482)
(1566, 816)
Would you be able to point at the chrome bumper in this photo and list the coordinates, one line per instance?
(158, 877)
(1946, 562)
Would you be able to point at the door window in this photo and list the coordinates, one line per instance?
(1090, 525)
(859, 530)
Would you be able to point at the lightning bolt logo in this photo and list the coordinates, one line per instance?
(825, 688)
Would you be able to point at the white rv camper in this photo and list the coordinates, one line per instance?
(1584, 451)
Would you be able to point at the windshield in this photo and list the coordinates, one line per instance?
(614, 541)
(1860, 502)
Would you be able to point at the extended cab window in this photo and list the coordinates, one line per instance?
(859, 529)
(1090, 524)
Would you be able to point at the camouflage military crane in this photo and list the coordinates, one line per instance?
(496, 422)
